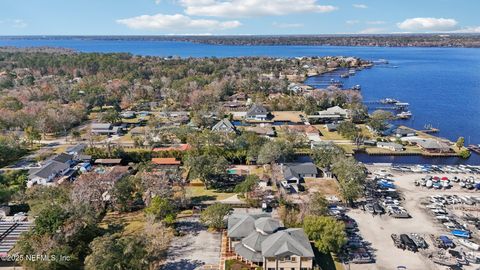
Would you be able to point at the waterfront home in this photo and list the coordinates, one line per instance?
(262, 130)
(257, 113)
(104, 129)
(404, 132)
(330, 115)
(433, 146)
(395, 147)
(310, 132)
(260, 240)
(224, 126)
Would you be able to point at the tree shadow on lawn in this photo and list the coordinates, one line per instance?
(324, 260)
(203, 198)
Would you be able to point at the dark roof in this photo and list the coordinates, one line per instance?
(404, 131)
(297, 169)
(257, 109)
(63, 158)
(51, 168)
(224, 125)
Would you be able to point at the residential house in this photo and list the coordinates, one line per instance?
(333, 114)
(177, 147)
(224, 126)
(294, 173)
(395, 147)
(47, 173)
(240, 96)
(404, 132)
(433, 146)
(169, 164)
(310, 132)
(260, 240)
(262, 130)
(104, 129)
(257, 113)
(64, 158)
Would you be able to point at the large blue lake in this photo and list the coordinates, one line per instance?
(442, 85)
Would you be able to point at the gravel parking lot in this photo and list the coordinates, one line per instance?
(196, 249)
(377, 230)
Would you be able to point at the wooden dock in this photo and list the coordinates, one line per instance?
(474, 148)
(430, 130)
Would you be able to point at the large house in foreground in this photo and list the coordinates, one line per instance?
(262, 241)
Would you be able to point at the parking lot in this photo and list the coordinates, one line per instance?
(376, 230)
(196, 248)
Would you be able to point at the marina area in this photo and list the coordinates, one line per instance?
(440, 229)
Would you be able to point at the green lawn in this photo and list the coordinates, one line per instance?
(200, 193)
(329, 135)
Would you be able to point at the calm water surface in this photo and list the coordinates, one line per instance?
(442, 85)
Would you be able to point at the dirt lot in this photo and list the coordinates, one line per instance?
(196, 249)
(377, 229)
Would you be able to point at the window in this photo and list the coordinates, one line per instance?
(271, 268)
(294, 259)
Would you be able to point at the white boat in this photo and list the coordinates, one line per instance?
(429, 184)
(404, 115)
(446, 184)
(469, 244)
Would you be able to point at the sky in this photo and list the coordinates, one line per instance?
(236, 17)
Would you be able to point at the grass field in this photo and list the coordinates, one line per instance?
(329, 135)
(200, 193)
(129, 222)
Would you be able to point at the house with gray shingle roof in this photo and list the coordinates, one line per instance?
(262, 241)
(47, 173)
(257, 112)
(294, 172)
(224, 126)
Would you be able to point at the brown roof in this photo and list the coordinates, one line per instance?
(108, 161)
(165, 161)
(180, 147)
(303, 128)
